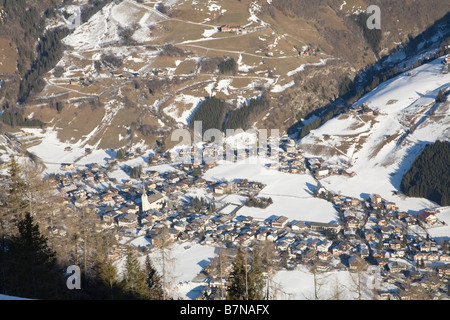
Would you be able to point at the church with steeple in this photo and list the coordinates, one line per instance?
(155, 201)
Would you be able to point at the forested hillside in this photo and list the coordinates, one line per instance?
(211, 113)
(429, 175)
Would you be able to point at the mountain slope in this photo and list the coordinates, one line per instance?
(380, 144)
(118, 62)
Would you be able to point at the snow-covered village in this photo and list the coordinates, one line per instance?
(314, 212)
(224, 150)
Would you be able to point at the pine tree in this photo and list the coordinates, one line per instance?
(237, 289)
(120, 154)
(256, 283)
(108, 275)
(246, 281)
(32, 263)
(134, 281)
(440, 97)
(153, 280)
(15, 199)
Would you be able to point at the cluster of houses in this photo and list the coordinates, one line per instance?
(321, 170)
(394, 240)
(371, 232)
(290, 158)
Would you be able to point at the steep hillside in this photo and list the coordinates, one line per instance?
(135, 70)
(382, 134)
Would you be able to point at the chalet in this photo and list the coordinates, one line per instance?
(371, 236)
(395, 244)
(231, 29)
(390, 206)
(248, 220)
(428, 217)
(350, 233)
(403, 295)
(118, 74)
(243, 240)
(322, 172)
(67, 166)
(290, 147)
(364, 252)
(375, 199)
(271, 236)
(397, 267)
(68, 188)
(352, 223)
(110, 217)
(356, 263)
(262, 235)
(337, 251)
(323, 266)
(148, 221)
(308, 256)
(219, 189)
(74, 81)
(324, 246)
(444, 270)
(382, 261)
(403, 215)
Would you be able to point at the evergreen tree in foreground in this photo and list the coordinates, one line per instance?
(31, 264)
(246, 280)
(134, 281)
(154, 282)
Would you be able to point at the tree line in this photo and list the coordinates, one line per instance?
(212, 113)
(14, 118)
(49, 52)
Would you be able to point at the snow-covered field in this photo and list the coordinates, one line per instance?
(291, 193)
(102, 29)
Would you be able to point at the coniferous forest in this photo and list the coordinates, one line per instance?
(211, 112)
(429, 175)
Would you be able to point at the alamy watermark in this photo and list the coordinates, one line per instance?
(213, 145)
(74, 280)
(374, 20)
